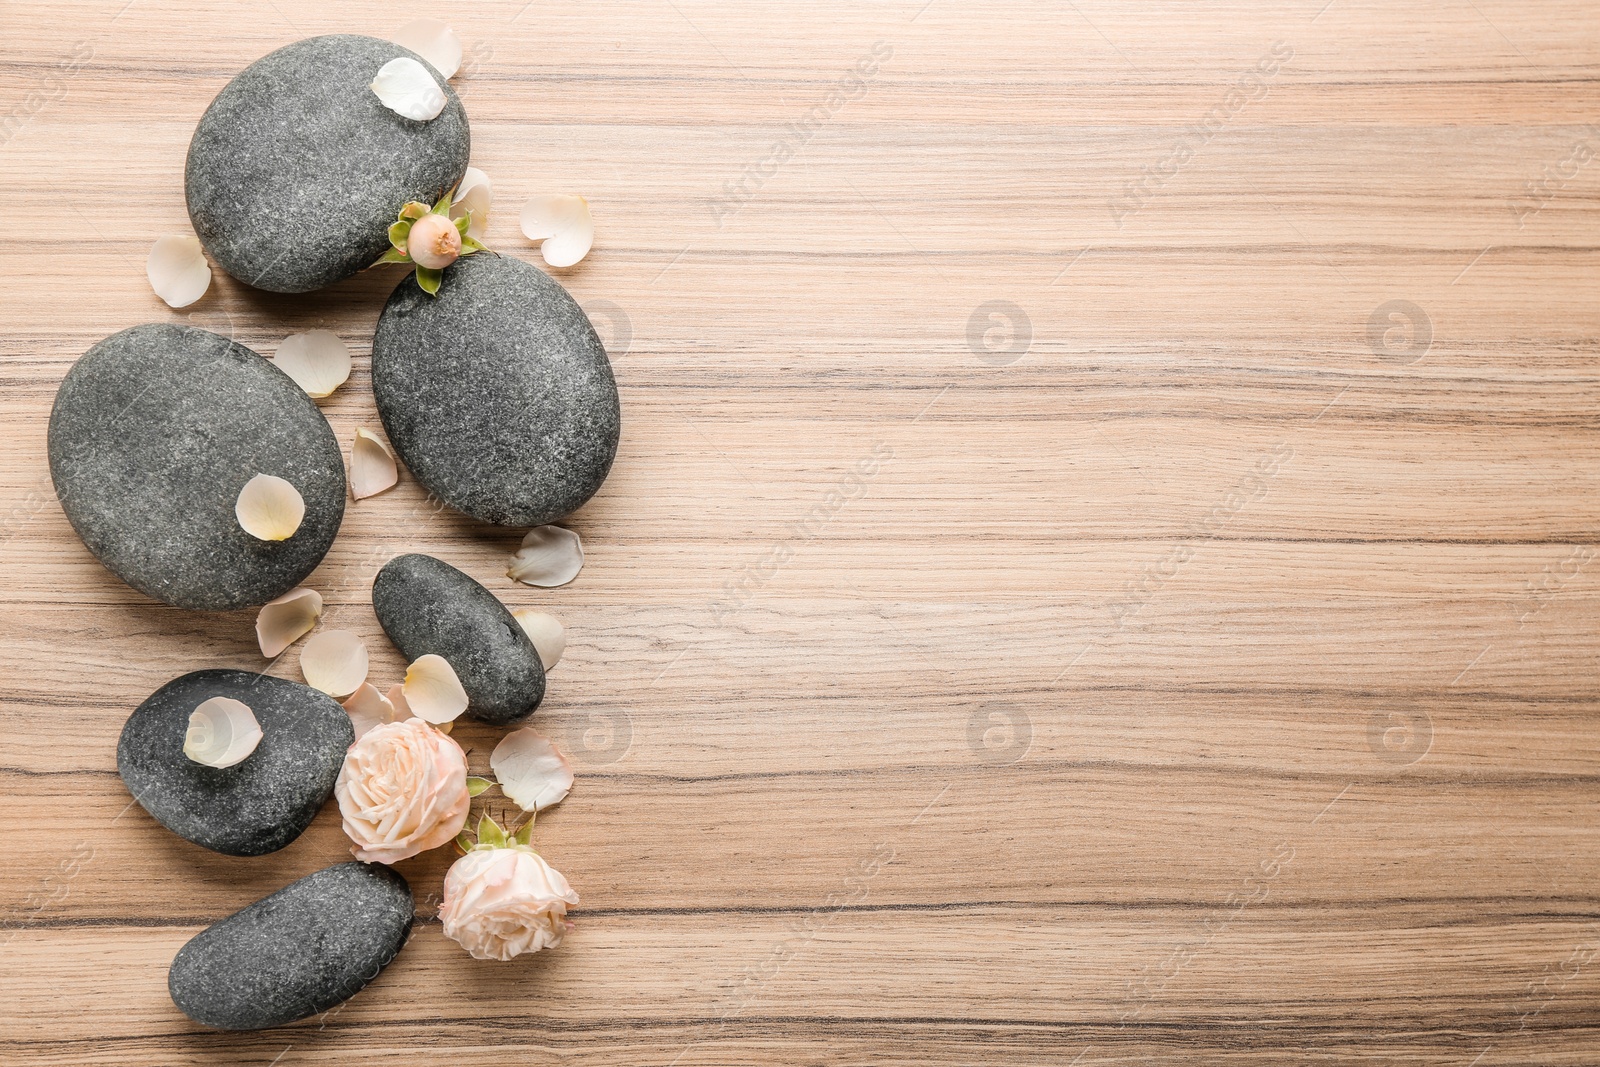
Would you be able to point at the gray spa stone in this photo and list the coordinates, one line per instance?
(306, 948)
(497, 393)
(428, 607)
(297, 169)
(154, 432)
(256, 806)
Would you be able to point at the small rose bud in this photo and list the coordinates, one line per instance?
(434, 243)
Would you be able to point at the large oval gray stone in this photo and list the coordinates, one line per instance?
(428, 607)
(256, 806)
(154, 432)
(297, 169)
(497, 393)
(304, 949)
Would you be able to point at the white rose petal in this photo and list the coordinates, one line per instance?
(563, 223)
(531, 771)
(546, 633)
(285, 620)
(269, 508)
(334, 661)
(549, 556)
(372, 467)
(222, 732)
(369, 708)
(318, 361)
(476, 195)
(433, 41)
(432, 691)
(178, 270)
(407, 88)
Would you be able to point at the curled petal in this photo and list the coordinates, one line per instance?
(432, 691)
(369, 708)
(563, 223)
(546, 633)
(532, 772)
(372, 468)
(433, 41)
(269, 508)
(285, 620)
(407, 88)
(317, 361)
(222, 732)
(334, 661)
(178, 270)
(396, 696)
(549, 556)
(473, 196)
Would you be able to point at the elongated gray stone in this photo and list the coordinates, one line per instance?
(303, 950)
(497, 393)
(428, 607)
(297, 169)
(154, 432)
(254, 807)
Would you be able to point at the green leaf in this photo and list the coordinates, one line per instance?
(429, 280)
(470, 245)
(443, 206)
(489, 832)
(413, 210)
(393, 255)
(524, 834)
(463, 842)
(476, 786)
(462, 223)
(398, 234)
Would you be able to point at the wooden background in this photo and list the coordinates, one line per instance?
(1198, 675)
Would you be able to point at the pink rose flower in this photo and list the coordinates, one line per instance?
(402, 790)
(502, 902)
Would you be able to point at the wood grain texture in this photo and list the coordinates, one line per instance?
(1191, 674)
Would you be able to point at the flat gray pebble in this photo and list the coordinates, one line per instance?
(306, 948)
(428, 607)
(154, 432)
(497, 393)
(254, 807)
(297, 169)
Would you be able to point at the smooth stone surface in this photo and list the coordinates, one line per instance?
(497, 393)
(297, 169)
(308, 947)
(428, 607)
(254, 807)
(154, 432)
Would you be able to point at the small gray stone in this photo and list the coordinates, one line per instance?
(256, 806)
(154, 432)
(297, 169)
(427, 607)
(306, 948)
(497, 393)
